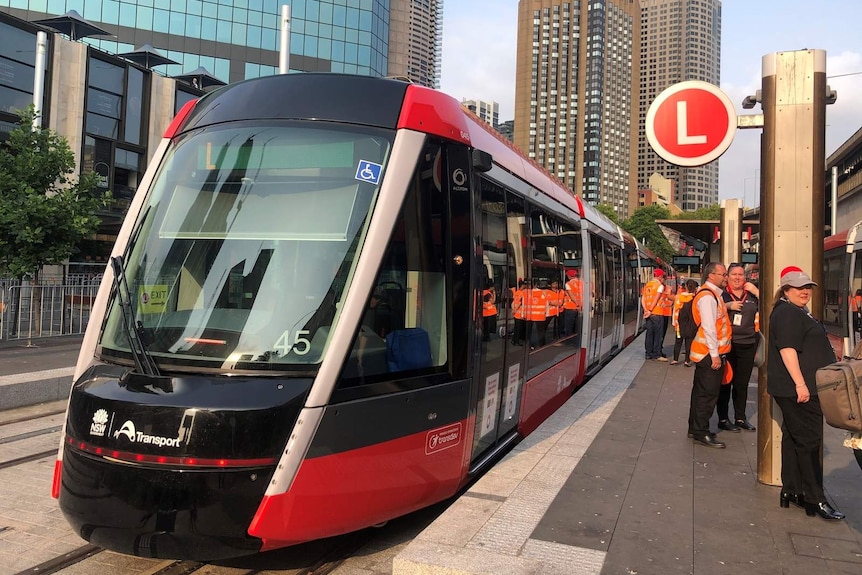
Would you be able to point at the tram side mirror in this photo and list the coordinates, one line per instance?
(482, 161)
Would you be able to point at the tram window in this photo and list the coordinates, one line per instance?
(404, 329)
(832, 279)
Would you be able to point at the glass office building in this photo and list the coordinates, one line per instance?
(235, 39)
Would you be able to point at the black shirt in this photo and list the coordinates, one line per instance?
(742, 329)
(792, 326)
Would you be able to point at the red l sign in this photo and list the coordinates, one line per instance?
(691, 123)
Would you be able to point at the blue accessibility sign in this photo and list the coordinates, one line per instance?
(368, 172)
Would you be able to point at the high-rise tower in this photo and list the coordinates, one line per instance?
(680, 40)
(575, 85)
(416, 40)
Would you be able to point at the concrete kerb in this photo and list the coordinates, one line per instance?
(23, 389)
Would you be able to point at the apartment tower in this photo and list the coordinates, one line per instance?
(575, 85)
(416, 40)
(680, 40)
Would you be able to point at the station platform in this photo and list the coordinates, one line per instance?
(611, 484)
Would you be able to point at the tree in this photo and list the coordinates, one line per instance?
(712, 212)
(608, 211)
(44, 210)
(642, 225)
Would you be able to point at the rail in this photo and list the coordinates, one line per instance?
(38, 311)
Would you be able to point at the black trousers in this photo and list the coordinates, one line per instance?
(801, 442)
(741, 359)
(677, 347)
(704, 395)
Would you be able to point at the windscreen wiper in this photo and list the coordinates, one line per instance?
(134, 330)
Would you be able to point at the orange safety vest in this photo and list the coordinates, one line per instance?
(574, 287)
(651, 296)
(555, 300)
(536, 304)
(699, 348)
(489, 304)
(855, 303)
(518, 311)
(665, 304)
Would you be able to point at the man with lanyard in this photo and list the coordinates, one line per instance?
(651, 299)
(708, 351)
(742, 304)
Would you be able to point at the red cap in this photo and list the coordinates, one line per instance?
(789, 269)
(658, 272)
(571, 273)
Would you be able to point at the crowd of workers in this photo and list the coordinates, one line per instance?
(722, 342)
(539, 307)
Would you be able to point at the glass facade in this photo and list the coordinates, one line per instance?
(17, 72)
(236, 39)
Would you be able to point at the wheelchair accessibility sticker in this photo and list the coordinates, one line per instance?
(368, 172)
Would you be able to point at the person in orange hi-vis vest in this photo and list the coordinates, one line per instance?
(518, 313)
(489, 310)
(536, 306)
(856, 309)
(556, 298)
(654, 322)
(682, 330)
(665, 307)
(709, 349)
(572, 303)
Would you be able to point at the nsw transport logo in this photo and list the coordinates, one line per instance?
(100, 423)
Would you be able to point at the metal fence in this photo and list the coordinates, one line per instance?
(45, 310)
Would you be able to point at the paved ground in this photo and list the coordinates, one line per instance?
(608, 485)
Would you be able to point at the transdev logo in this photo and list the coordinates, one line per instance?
(443, 438)
(100, 423)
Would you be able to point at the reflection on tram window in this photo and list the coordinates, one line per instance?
(404, 328)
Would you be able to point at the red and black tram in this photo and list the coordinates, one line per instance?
(290, 340)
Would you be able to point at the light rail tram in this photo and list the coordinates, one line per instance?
(334, 301)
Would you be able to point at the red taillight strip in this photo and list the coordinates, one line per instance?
(180, 119)
(195, 462)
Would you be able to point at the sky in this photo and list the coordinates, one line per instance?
(479, 44)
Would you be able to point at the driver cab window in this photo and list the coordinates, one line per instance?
(404, 327)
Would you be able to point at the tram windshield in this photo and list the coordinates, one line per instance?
(246, 245)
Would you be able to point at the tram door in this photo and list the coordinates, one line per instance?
(501, 369)
(614, 270)
(598, 284)
(854, 271)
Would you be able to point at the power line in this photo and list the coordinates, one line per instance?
(842, 75)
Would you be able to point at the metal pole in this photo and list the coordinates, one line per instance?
(834, 220)
(792, 213)
(39, 76)
(284, 50)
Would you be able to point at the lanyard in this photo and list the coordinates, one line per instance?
(742, 299)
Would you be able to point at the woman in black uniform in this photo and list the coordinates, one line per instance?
(798, 347)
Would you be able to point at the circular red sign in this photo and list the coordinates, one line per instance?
(691, 123)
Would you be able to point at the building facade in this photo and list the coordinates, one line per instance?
(575, 110)
(680, 40)
(488, 111)
(111, 112)
(416, 40)
(235, 39)
(114, 123)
